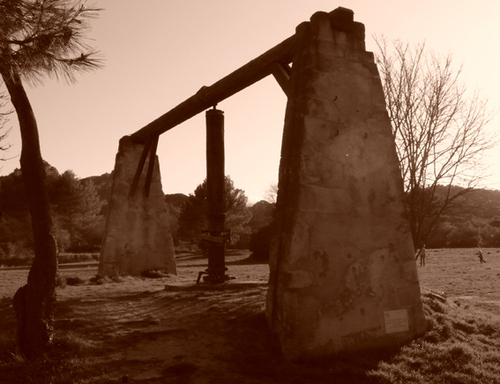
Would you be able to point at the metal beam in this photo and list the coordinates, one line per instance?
(140, 166)
(206, 97)
(281, 73)
(151, 166)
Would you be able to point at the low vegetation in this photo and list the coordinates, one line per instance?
(79, 208)
(460, 346)
(23, 260)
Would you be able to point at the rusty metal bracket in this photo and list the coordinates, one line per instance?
(140, 167)
(281, 72)
(220, 238)
(151, 165)
(210, 279)
(149, 148)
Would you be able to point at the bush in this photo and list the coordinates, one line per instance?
(464, 235)
(15, 254)
(260, 243)
(155, 274)
(64, 258)
(74, 280)
(186, 247)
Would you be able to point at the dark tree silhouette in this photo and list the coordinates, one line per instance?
(192, 220)
(39, 38)
(271, 193)
(78, 224)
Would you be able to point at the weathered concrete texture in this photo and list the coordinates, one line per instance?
(343, 277)
(137, 236)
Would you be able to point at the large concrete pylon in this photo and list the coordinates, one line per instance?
(343, 276)
(137, 236)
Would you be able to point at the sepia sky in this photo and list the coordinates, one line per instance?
(160, 52)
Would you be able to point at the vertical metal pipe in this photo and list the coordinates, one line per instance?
(215, 195)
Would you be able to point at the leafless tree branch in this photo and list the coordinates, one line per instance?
(438, 128)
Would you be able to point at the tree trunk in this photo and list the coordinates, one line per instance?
(34, 303)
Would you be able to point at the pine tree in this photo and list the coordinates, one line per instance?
(192, 219)
(39, 38)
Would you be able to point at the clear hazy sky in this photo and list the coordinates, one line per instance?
(160, 52)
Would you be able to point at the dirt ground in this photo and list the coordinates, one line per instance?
(171, 330)
(167, 329)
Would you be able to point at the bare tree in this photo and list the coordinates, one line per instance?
(4, 131)
(39, 38)
(271, 193)
(439, 129)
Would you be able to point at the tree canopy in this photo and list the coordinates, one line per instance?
(192, 220)
(76, 210)
(38, 39)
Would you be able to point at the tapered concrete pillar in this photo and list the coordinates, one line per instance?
(343, 277)
(137, 236)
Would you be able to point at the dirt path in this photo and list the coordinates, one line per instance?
(182, 330)
(149, 330)
(171, 330)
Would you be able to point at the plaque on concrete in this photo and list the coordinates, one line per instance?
(137, 236)
(342, 269)
(396, 321)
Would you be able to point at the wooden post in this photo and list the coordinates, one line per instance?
(215, 196)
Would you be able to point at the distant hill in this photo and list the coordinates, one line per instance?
(479, 203)
(472, 220)
(176, 199)
(262, 214)
(103, 184)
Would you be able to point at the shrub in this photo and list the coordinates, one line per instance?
(154, 274)
(74, 280)
(260, 242)
(64, 258)
(15, 254)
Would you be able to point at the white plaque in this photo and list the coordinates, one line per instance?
(396, 321)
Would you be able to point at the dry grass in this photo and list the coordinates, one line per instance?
(460, 346)
(459, 273)
(133, 330)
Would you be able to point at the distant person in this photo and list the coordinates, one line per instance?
(480, 256)
(421, 253)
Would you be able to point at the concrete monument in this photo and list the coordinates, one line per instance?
(342, 272)
(343, 276)
(137, 236)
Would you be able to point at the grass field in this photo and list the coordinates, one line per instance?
(134, 330)
(458, 273)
